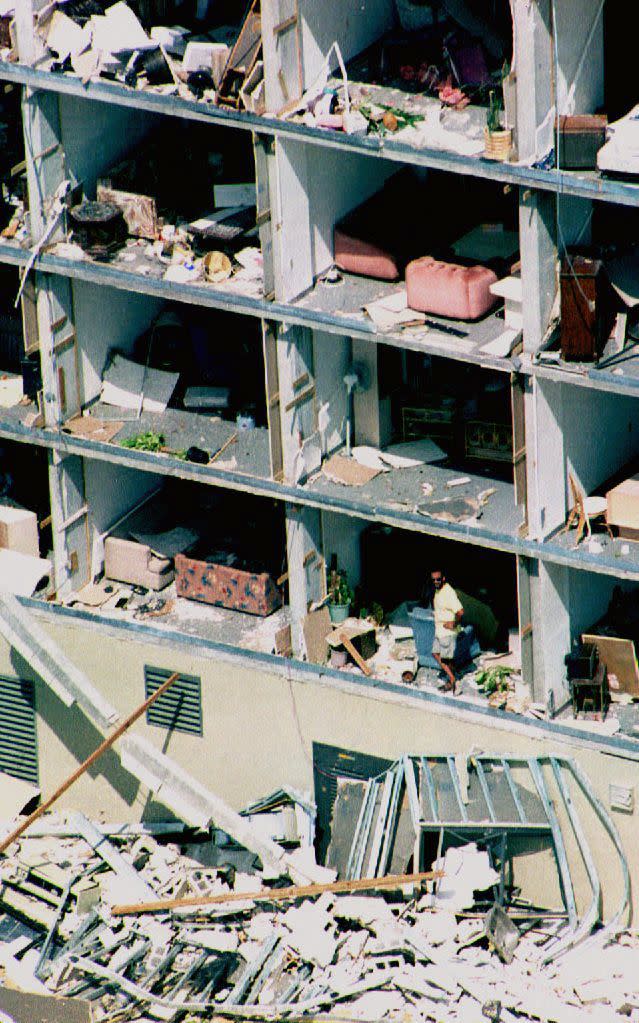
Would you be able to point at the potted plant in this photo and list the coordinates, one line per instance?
(498, 140)
(340, 596)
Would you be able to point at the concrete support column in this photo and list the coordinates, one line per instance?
(539, 270)
(550, 598)
(533, 64)
(306, 571)
(70, 523)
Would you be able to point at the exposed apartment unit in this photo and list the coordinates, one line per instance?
(297, 305)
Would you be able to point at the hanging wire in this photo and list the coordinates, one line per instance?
(560, 234)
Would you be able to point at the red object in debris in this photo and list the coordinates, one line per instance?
(407, 72)
(253, 592)
(367, 258)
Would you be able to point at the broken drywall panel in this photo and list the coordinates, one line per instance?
(130, 385)
(23, 574)
(193, 802)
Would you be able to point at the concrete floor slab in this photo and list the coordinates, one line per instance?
(345, 302)
(182, 430)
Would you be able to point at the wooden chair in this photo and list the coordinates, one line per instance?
(584, 510)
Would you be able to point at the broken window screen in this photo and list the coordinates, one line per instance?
(18, 737)
(180, 708)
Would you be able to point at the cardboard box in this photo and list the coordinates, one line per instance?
(19, 530)
(581, 136)
(623, 504)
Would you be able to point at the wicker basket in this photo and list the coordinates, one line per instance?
(498, 144)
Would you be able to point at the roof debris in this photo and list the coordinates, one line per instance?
(214, 940)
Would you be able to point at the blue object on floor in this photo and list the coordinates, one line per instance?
(422, 620)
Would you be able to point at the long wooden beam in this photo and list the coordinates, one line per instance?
(277, 894)
(102, 748)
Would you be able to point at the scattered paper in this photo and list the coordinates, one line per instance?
(418, 452)
(347, 471)
(93, 595)
(393, 311)
(93, 429)
(501, 346)
(118, 30)
(383, 461)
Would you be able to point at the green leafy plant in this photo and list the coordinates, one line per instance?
(392, 119)
(148, 441)
(494, 680)
(493, 113)
(374, 613)
(339, 590)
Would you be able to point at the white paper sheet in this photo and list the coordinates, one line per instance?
(11, 390)
(119, 31)
(65, 37)
(393, 311)
(20, 574)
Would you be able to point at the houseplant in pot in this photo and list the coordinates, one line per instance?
(498, 140)
(340, 596)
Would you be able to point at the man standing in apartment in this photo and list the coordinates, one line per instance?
(448, 615)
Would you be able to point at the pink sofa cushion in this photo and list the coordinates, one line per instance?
(356, 256)
(446, 289)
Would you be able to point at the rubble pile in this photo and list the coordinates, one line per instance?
(103, 40)
(404, 953)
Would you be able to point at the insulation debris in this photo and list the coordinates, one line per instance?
(381, 954)
(207, 935)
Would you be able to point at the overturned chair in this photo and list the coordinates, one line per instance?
(584, 511)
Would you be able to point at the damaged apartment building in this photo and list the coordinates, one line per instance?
(300, 303)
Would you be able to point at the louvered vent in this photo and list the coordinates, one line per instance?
(18, 735)
(180, 708)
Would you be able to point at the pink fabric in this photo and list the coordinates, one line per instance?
(334, 121)
(359, 257)
(446, 289)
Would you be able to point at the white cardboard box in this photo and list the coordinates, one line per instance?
(19, 530)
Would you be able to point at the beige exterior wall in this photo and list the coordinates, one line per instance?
(259, 726)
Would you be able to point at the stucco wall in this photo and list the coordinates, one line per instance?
(259, 725)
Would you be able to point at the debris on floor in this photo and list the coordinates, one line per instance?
(155, 922)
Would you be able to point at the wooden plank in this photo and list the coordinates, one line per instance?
(620, 659)
(227, 443)
(89, 762)
(242, 57)
(316, 627)
(355, 654)
(307, 891)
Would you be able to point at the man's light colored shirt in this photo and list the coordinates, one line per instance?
(446, 605)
